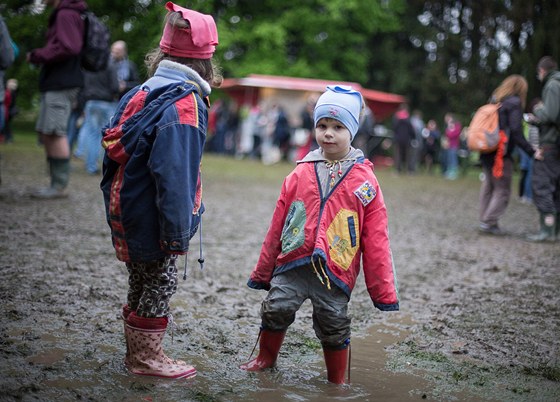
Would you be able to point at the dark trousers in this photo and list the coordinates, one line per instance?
(546, 182)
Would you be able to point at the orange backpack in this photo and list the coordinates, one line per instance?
(483, 133)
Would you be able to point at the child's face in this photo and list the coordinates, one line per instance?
(333, 137)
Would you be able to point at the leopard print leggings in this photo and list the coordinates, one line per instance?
(151, 285)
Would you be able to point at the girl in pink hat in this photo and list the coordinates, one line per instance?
(151, 181)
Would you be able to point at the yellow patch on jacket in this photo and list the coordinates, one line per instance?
(343, 238)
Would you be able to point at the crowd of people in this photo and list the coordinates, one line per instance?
(265, 132)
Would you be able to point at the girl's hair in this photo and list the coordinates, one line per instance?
(514, 85)
(207, 68)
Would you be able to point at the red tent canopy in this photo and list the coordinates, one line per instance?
(248, 91)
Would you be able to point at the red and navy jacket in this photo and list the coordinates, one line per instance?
(151, 169)
(333, 233)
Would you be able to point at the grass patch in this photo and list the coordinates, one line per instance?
(551, 373)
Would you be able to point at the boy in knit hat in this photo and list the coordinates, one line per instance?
(329, 220)
(151, 181)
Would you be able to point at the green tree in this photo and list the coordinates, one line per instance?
(467, 48)
(443, 55)
(311, 38)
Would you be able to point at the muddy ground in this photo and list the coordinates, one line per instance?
(479, 315)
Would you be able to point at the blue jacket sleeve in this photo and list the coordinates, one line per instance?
(175, 166)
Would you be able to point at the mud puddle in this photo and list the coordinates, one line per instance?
(297, 377)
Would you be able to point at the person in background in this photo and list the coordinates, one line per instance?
(151, 181)
(431, 138)
(453, 141)
(306, 128)
(497, 166)
(11, 108)
(366, 130)
(531, 132)
(546, 171)
(416, 144)
(60, 80)
(126, 69)
(7, 57)
(404, 134)
(330, 219)
(282, 132)
(100, 93)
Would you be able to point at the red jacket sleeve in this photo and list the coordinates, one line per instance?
(271, 247)
(377, 259)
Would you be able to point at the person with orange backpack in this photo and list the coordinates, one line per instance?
(497, 165)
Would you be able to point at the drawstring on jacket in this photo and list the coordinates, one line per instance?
(201, 255)
(331, 165)
(322, 271)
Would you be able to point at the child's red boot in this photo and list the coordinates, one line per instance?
(269, 347)
(336, 361)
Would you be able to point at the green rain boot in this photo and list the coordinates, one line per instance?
(548, 231)
(60, 176)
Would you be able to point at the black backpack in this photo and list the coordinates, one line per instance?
(97, 48)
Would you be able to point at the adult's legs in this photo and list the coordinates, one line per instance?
(494, 202)
(52, 125)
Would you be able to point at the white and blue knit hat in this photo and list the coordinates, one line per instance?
(342, 103)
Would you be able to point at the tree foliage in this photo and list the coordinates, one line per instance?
(443, 55)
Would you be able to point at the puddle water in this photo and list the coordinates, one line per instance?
(298, 378)
(301, 380)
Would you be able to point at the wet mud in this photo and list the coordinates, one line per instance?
(479, 315)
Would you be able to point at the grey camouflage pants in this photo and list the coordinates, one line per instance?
(330, 307)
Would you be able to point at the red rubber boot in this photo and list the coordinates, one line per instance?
(269, 347)
(336, 362)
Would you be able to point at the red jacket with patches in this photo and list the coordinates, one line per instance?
(333, 233)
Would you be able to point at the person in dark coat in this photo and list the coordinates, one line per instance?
(404, 134)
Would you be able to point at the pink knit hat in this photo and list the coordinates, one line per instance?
(197, 42)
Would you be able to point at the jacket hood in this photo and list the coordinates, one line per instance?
(317, 155)
(554, 75)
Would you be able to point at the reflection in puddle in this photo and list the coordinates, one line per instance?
(48, 357)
